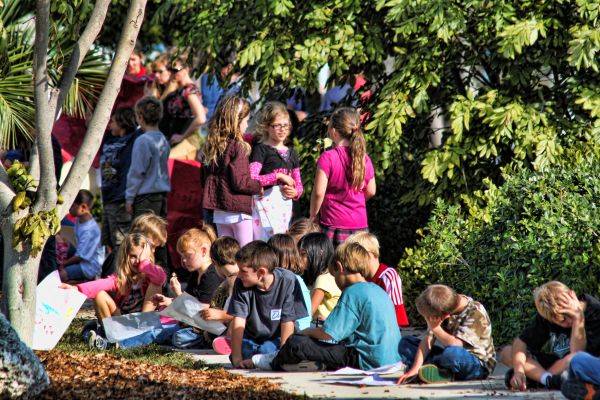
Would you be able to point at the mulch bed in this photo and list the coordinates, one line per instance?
(103, 376)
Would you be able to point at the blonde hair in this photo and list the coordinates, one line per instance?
(225, 124)
(346, 121)
(268, 113)
(546, 300)
(436, 301)
(155, 88)
(126, 275)
(301, 227)
(366, 240)
(353, 257)
(196, 238)
(152, 226)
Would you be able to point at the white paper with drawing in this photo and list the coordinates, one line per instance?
(54, 311)
(130, 325)
(186, 308)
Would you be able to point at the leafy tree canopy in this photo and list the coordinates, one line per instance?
(517, 81)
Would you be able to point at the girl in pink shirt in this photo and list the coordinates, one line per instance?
(344, 180)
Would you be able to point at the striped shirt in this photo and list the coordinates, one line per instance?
(388, 279)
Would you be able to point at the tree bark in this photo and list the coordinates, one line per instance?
(20, 269)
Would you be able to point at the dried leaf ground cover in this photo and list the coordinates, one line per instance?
(150, 372)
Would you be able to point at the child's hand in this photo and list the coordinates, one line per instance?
(67, 286)
(434, 322)
(211, 314)
(175, 285)
(247, 364)
(286, 179)
(160, 300)
(518, 381)
(289, 192)
(146, 253)
(569, 305)
(407, 376)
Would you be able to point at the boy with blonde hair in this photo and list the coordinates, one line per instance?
(380, 274)
(362, 324)
(462, 326)
(567, 323)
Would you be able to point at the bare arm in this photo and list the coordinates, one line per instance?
(287, 330)
(318, 193)
(519, 356)
(149, 304)
(370, 189)
(199, 114)
(422, 353)
(316, 300)
(237, 335)
(316, 333)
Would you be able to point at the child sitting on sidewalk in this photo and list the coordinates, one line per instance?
(569, 323)
(583, 381)
(266, 301)
(86, 264)
(460, 324)
(380, 274)
(362, 324)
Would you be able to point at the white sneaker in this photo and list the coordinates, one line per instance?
(263, 361)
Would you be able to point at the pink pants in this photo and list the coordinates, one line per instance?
(241, 231)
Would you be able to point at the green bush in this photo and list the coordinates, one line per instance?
(536, 227)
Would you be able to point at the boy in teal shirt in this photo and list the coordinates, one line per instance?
(361, 331)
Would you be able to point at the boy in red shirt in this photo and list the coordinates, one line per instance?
(380, 274)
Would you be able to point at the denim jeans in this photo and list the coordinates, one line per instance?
(585, 367)
(250, 347)
(160, 335)
(463, 364)
(186, 338)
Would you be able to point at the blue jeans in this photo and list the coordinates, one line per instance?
(186, 338)
(160, 335)
(250, 347)
(463, 364)
(585, 367)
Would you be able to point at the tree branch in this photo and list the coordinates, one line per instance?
(6, 192)
(93, 136)
(91, 31)
(45, 106)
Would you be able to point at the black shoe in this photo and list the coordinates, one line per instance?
(574, 389)
(554, 382)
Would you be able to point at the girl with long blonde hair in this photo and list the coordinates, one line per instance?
(228, 186)
(345, 179)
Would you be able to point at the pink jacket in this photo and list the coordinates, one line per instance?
(152, 274)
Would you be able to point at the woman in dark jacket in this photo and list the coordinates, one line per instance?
(228, 188)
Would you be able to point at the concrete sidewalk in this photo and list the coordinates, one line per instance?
(308, 384)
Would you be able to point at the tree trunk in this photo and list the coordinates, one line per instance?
(19, 284)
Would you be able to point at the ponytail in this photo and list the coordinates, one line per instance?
(346, 121)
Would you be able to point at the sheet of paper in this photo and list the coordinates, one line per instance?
(373, 380)
(55, 309)
(386, 369)
(186, 308)
(130, 325)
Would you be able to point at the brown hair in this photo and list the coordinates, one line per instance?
(156, 88)
(302, 226)
(196, 237)
(346, 121)
(366, 240)
(546, 300)
(436, 301)
(86, 197)
(287, 252)
(152, 226)
(223, 250)
(150, 109)
(125, 118)
(268, 113)
(225, 124)
(257, 254)
(353, 257)
(126, 274)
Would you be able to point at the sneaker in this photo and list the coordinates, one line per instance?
(430, 373)
(554, 382)
(574, 389)
(531, 384)
(263, 361)
(98, 342)
(304, 366)
(222, 345)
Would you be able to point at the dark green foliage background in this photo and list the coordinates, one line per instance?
(536, 227)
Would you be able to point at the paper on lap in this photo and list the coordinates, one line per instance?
(186, 308)
(374, 380)
(54, 311)
(130, 325)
